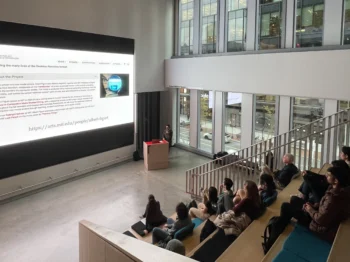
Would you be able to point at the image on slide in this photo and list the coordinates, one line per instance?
(114, 85)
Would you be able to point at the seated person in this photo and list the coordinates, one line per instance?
(266, 170)
(226, 195)
(153, 214)
(165, 235)
(323, 218)
(208, 207)
(267, 187)
(247, 200)
(345, 154)
(315, 186)
(288, 172)
(176, 246)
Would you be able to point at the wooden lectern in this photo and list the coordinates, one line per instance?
(156, 155)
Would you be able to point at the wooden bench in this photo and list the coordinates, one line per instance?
(340, 249)
(278, 245)
(248, 245)
(192, 241)
(194, 250)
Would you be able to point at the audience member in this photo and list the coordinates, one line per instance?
(345, 154)
(266, 170)
(226, 195)
(176, 246)
(153, 214)
(209, 205)
(267, 187)
(288, 172)
(323, 218)
(247, 200)
(167, 234)
(315, 186)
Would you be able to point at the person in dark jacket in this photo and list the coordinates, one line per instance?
(267, 187)
(325, 217)
(288, 172)
(250, 203)
(168, 135)
(154, 216)
(167, 234)
(226, 196)
(315, 186)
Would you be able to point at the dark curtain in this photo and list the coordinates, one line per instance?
(148, 118)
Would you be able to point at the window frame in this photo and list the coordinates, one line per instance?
(217, 28)
(179, 17)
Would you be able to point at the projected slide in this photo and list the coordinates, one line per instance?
(52, 92)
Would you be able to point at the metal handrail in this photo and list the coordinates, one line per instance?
(273, 138)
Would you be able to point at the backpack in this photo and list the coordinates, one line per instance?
(274, 228)
(208, 228)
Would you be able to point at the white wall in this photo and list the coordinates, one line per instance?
(321, 74)
(149, 22)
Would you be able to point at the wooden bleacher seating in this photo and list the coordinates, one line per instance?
(340, 249)
(100, 244)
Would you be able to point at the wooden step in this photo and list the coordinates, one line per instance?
(340, 251)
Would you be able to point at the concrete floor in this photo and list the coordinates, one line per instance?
(44, 226)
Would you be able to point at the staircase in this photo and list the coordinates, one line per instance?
(312, 145)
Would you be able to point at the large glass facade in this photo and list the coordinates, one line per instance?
(309, 23)
(206, 136)
(270, 24)
(346, 38)
(236, 25)
(184, 116)
(305, 111)
(186, 27)
(232, 122)
(265, 115)
(209, 26)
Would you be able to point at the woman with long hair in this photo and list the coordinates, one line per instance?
(248, 200)
(267, 187)
(153, 214)
(208, 207)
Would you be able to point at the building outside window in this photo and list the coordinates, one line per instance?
(236, 25)
(232, 122)
(309, 23)
(305, 111)
(265, 118)
(186, 26)
(184, 116)
(346, 38)
(343, 105)
(206, 135)
(270, 24)
(209, 26)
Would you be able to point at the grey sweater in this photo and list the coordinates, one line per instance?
(179, 224)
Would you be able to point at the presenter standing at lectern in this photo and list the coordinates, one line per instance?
(168, 135)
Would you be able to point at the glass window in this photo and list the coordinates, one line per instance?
(205, 141)
(236, 25)
(343, 105)
(346, 22)
(265, 115)
(309, 23)
(232, 122)
(184, 116)
(209, 26)
(186, 27)
(305, 111)
(270, 22)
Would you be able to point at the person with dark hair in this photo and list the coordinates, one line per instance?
(153, 214)
(168, 135)
(176, 246)
(345, 154)
(167, 234)
(325, 217)
(267, 187)
(209, 205)
(226, 196)
(315, 186)
(269, 159)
